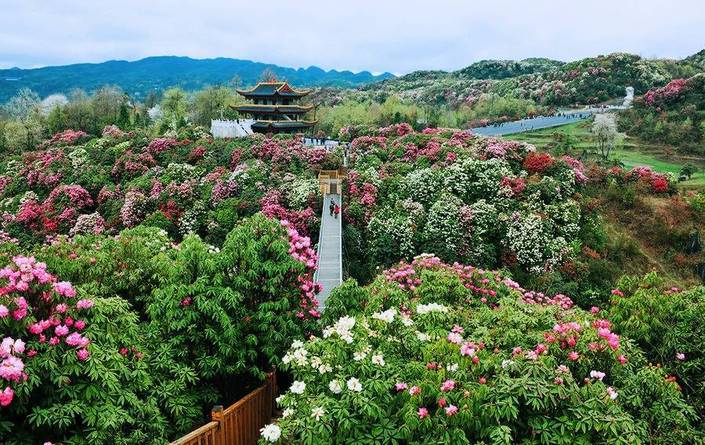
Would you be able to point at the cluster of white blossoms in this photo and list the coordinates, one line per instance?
(354, 384)
(317, 364)
(422, 336)
(298, 387)
(386, 316)
(360, 355)
(297, 354)
(378, 359)
(342, 328)
(317, 412)
(271, 432)
(335, 387)
(431, 307)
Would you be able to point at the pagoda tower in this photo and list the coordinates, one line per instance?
(275, 107)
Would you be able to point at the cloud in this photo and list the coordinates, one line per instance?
(376, 35)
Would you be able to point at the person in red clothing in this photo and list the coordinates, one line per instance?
(336, 211)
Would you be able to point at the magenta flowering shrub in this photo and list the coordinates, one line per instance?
(177, 184)
(301, 250)
(671, 90)
(44, 315)
(415, 364)
(66, 137)
(160, 145)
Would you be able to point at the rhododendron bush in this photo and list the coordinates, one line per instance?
(667, 323)
(670, 114)
(181, 185)
(150, 333)
(466, 198)
(455, 355)
(62, 377)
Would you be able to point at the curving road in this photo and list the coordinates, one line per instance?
(537, 123)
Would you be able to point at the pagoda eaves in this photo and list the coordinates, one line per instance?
(275, 109)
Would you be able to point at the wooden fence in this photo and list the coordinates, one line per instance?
(238, 424)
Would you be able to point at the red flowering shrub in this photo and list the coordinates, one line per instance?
(516, 185)
(197, 153)
(659, 184)
(537, 162)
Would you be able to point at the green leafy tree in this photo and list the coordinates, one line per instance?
(174, 105)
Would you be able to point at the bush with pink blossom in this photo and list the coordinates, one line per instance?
(429, 363)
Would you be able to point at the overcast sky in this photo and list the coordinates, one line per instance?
(375, 35)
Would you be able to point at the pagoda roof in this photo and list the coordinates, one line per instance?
(272, 89)
(259, 108)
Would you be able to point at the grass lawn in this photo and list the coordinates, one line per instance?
(632, 152)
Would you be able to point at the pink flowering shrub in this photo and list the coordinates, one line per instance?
(396, 130)
(301, 220)
(160, 145)
(43, 168)
(132, 164)
(44, 315)
(671, 90)
(112, 131)
(67, 137)
(301, 250)
(419, 366)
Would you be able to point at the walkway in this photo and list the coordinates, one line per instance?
(330, 250)
(537, 123)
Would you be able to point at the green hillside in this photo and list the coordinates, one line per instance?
(158, 73)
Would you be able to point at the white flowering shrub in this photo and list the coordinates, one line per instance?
(180, 172)
(535, 247)
(464, 356)
(473, 179)
(300, 191)
(423, 185)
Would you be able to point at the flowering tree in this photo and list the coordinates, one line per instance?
(605, 130)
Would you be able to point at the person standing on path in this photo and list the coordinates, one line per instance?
(332, 207)
(336, 210)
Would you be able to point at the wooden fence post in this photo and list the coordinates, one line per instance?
(217, 416)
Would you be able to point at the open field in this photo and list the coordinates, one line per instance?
(630, 152)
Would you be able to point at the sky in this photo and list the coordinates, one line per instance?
(398, 36)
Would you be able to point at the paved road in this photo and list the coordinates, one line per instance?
(538, 123)
(330, 258)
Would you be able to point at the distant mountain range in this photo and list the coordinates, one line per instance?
(140, 77)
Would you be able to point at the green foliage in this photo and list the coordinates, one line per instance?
(666, 324)
(355, 384)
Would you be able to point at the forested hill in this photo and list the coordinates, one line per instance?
(139, 77)
(543, 81)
